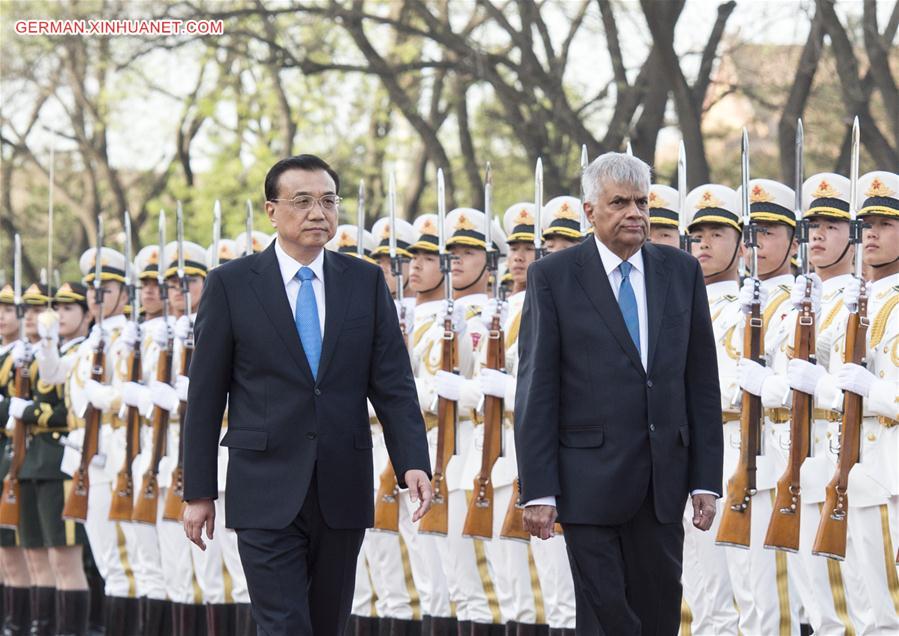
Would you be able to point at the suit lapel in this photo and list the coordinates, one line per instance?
(338, 291)
(269, 290)
(656, 292)
(591, 275)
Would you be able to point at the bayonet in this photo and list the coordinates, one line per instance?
(50, 224)
(360, 220)
(585, 161)
(216, 233)
(180, 272)
(682, 197)
(802, 225)
(538, 208)
(248, 248)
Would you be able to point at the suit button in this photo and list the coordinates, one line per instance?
(318, 391)
(649, 383)
(652, 427)
(311, 435)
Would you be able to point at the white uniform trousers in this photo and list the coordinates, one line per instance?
(424, 558)
(177, 564)
(363, 597)
(871, 553)
(209, 570)
(556, 582)
(707, 589)
(107, 543)
(227, 538)
(765, 595)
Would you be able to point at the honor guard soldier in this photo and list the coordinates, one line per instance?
(227, 251)
(716, 230)
(60, 596)
(260, 242)
(663, 215)
(345, 238)
(561, 221)
(873, 481)
(405, 236)
(16, 579)
(89, 397)
(759, 576)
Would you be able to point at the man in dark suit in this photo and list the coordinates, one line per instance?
(617, 414)
(295, 339)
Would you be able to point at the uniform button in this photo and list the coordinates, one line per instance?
(652, 427)
(318, 391)
(649, 383)
(311, 435)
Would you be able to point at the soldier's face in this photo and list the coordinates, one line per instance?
(114, 299)
(73, 320)
(620, 216)
(558, 243)
(469, 265)
(424, 272)
(150, 299)
(881, 240)
(714, 247)
(31, 314)
(664, 235)
(827, 241)
(775, 241)
(387, 267)
(9, 323)
(312, 228)
(176, 297)
(521, 255)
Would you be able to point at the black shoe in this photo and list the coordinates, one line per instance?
(72, 611)
(156, 619)
(244, 625)
(219, 619)
(16, 604)
(43, 611)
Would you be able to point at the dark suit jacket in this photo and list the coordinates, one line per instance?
(591, 426)
(283, 424)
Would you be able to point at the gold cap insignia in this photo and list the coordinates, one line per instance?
(385, 231)
(463, 223)
(346, 240)
(565, 212)
(256, 245)
(429, 228)
(878, 189)
(708, 200)
(524, 217)
(153, 258)
(825, 190)
(33, 290)
(65, 289)
(758, 194)
(655, 201)
(225, 252)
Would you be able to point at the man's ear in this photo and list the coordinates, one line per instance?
(588, 211)
(270, 212)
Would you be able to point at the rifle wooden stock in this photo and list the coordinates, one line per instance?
(830, 540)
(479, 520)
(147, 504)
(75, 508)
(736, 519)
(513, 525)
(174, 497)
(783, 528)
(437, 519)
(123, 494)
(387, 503)
(9, 503)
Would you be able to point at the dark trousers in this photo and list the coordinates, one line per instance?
(301, 577)
(627, 577)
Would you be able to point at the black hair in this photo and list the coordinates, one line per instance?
(310, 163)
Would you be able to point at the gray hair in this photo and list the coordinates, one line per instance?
(614, 167)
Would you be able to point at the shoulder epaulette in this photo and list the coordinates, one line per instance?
(473, 311)
(831, 315)
(879, 325)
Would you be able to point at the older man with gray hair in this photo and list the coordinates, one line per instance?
(617, 414)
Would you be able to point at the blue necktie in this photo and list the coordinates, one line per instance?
(628, 303)
(306, 317)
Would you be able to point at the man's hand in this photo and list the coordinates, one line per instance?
(540, 520)
(704, 509)
(199, 513)
(419, 490)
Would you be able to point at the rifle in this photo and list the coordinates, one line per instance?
(9, 503)
(783, 529)
(479, 520)
(736, 520)
(387, 504)
(145, 508)
(830, 540)
(123, 493)
(437, 519)
(174, 497)
(75, 507)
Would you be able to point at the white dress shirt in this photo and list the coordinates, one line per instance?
(637, 278)
(289, 268)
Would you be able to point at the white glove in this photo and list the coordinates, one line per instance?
(161, 335)
(797, 295)
(751, 376)
(852, 291)
(98, 395)
(747, 292)
(458, 317)
(48, 326)
(164, 396)
(490, 311)
(495, 383)
(804, 376)
(130, 334)
(134, 394)
(96, 335)
(407, 322)
(21, 352)
(448, 385)
(182, 328)
(17, 407)
(182, 384)
(855, 379)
